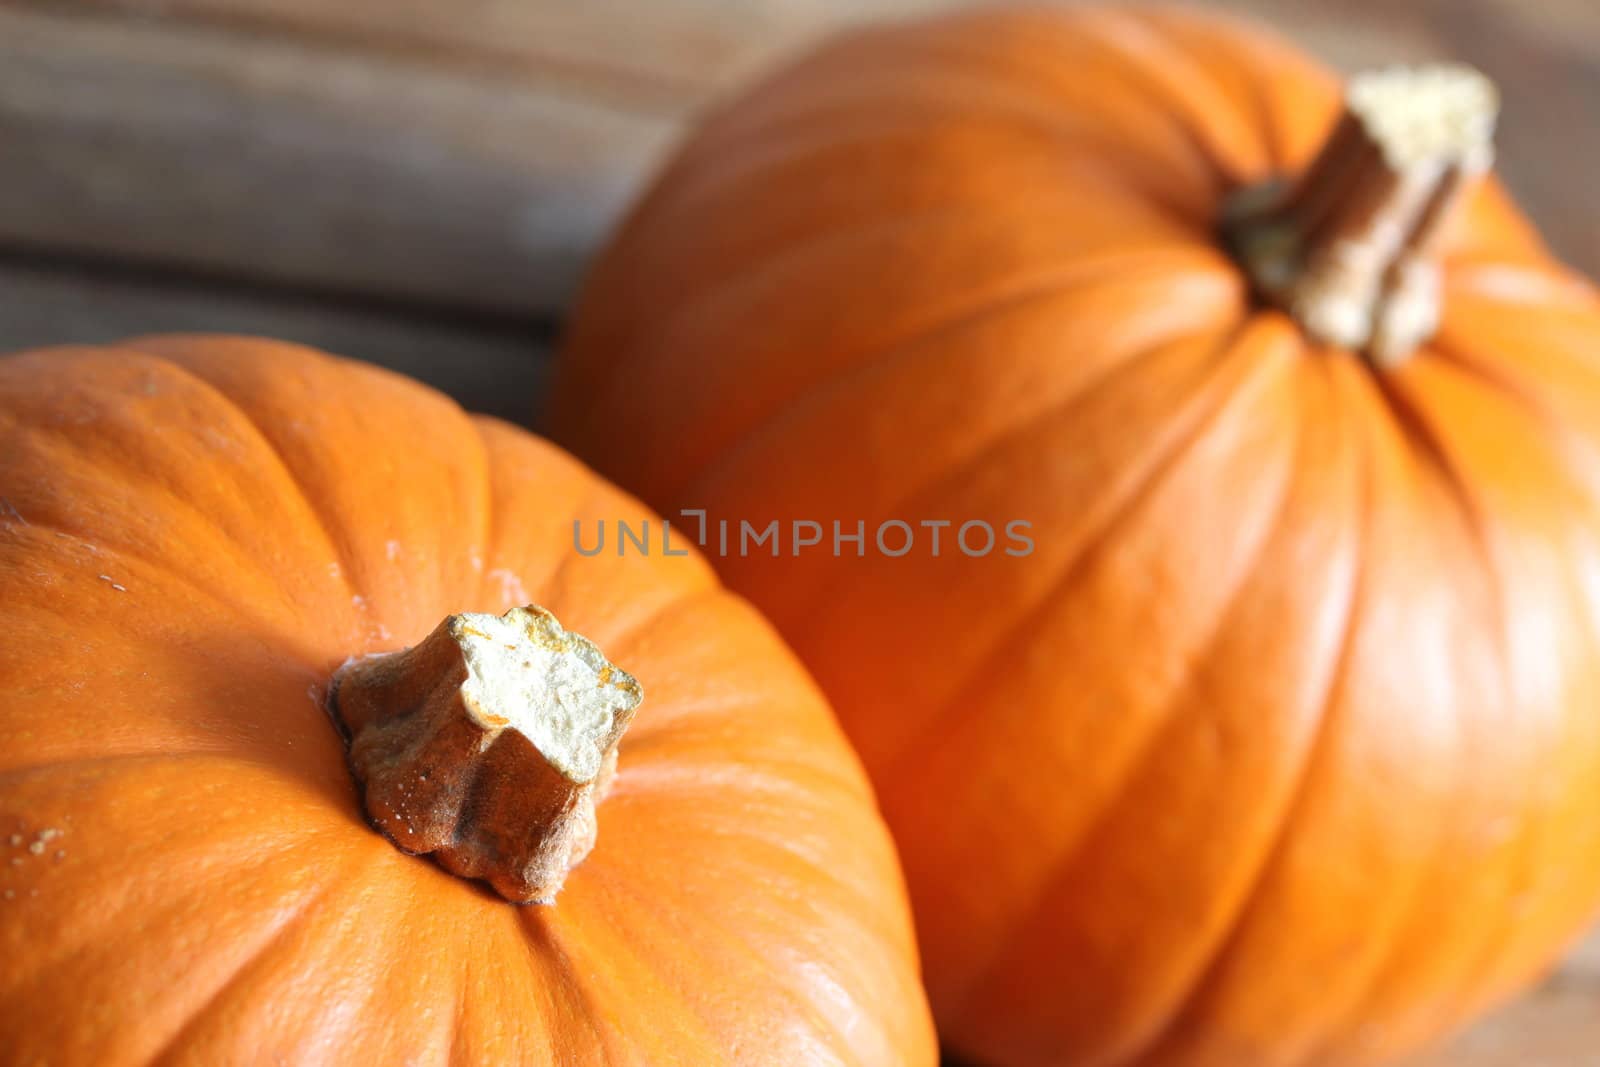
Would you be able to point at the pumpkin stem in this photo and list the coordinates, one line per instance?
(1349, 249)
(488, 745)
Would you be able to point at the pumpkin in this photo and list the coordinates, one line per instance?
(1186, 491)
(200, 537)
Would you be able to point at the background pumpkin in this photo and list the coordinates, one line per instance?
(194, 533)
(1281, 747)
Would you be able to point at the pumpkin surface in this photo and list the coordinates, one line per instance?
(1282, 745)
(195, 533)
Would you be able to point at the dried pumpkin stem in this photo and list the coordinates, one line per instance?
(1349, 249)
(488, 745)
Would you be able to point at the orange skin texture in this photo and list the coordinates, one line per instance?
(211, 892)
(1282, 746)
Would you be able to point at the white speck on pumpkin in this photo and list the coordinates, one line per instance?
(392, 550)
(512, 592)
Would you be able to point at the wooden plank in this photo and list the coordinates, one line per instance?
(467, 155)
(282, 161)
(495, 368)
(662, 54)
(470, 155)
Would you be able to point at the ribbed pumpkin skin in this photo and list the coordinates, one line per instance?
(1283, 746)
(194, 533)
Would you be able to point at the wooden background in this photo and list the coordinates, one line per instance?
(419, 183)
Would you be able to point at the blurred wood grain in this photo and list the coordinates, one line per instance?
(466, 156)
(497, 369)
(419, 184)
(307, 164)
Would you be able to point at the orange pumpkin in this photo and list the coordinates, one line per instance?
(195, 534)
(1273, 740)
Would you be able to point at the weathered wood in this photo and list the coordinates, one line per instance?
(469, 155)
(273, 159)
(494, 368)
(463, 155)
(659, 55)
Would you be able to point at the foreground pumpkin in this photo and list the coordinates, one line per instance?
(206, 546)
(1273, 737)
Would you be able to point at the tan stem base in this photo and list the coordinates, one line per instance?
(487, 746)
(1349, 250)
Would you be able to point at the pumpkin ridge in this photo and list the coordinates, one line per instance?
(581, 981)
(1572, 448)
(825, 1030)
(1131, 360)
(627, 639)
(1433, 455)
(1066, 854)
(603, 394)
(173, 1046)
(310, 466)
(63, 446)
(789, 850)
(1149, 750)
(169, 572)
(93, 927)
(73, 764)
(484, 543)
(1181, 1019)
(1242, 38)
(335, 545)
(684, 315)
(1118, 30)
(552, 584)
(666, 921)
(986, 307)
(569, 999)
(1157, 466)
(1175, 1017)
(1109, 28)
(649, 775)
(490, 432)
(1137, 355)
